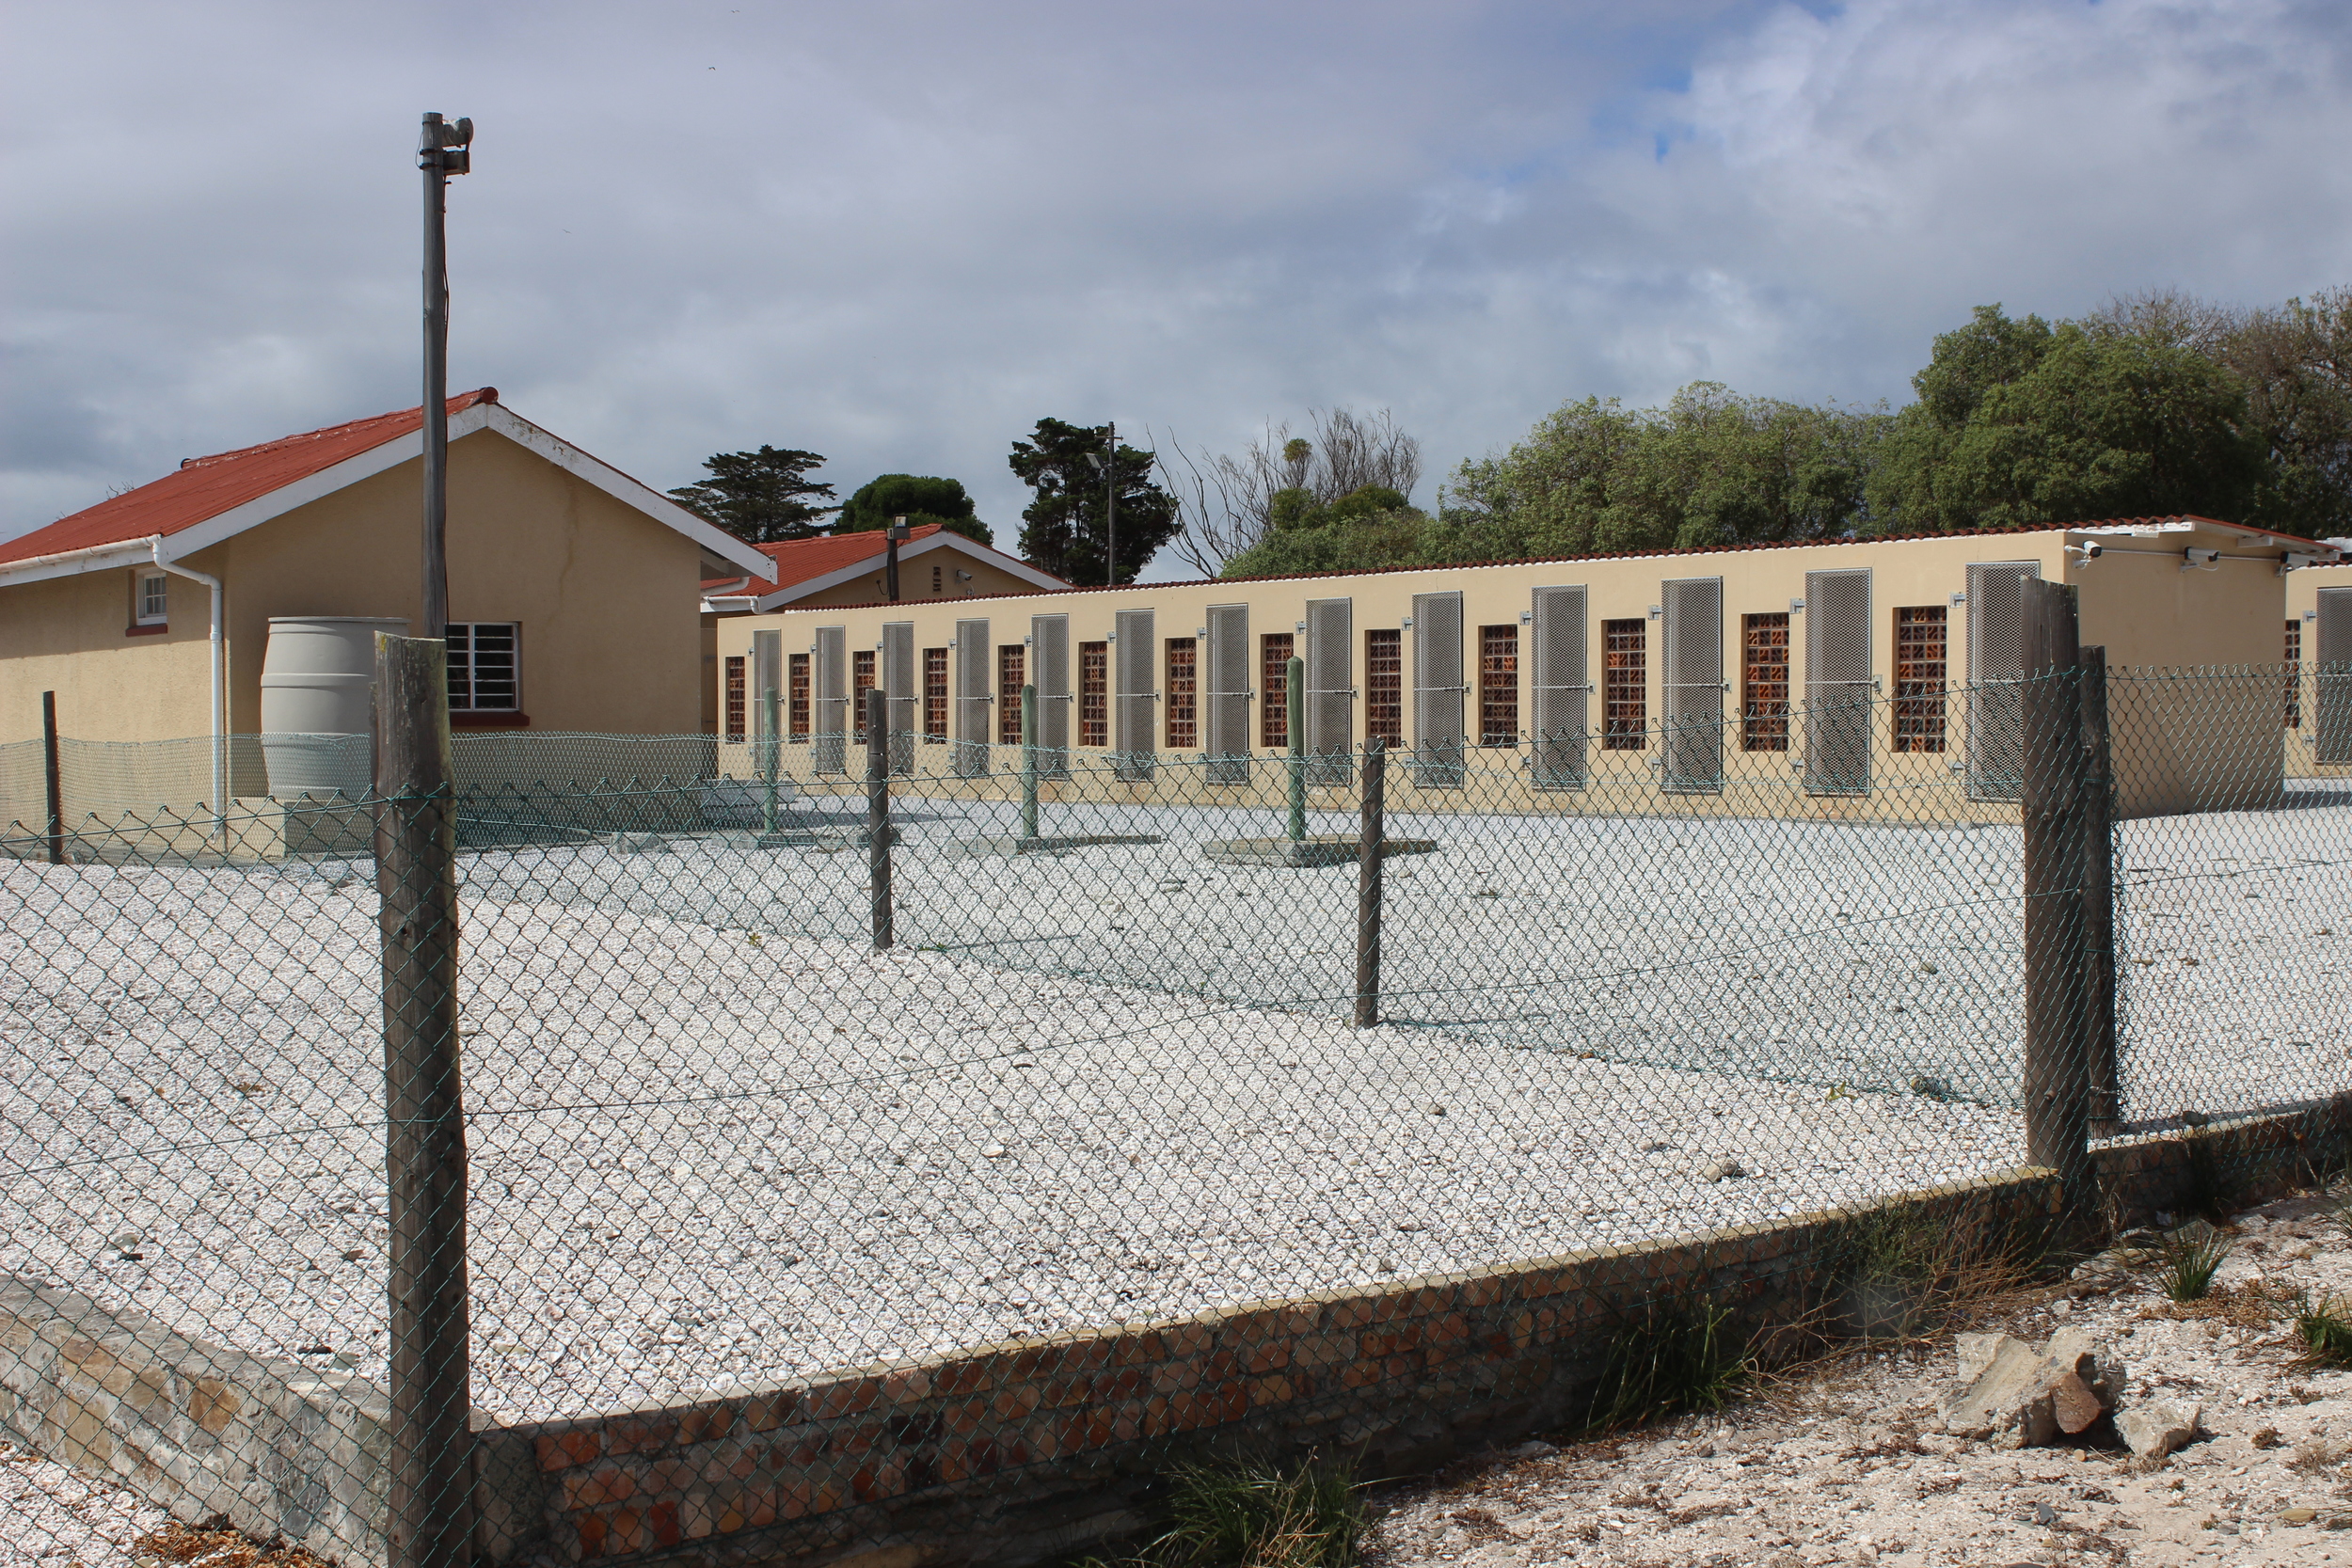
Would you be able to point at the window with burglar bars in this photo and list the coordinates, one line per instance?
(1920, 661)
(2294, 674)
(1013, 664)
(1625, 684)
(1384, 687)
(1274, 697)
(1183, 692)
(1498, 686)
(1094, 693)
(739, 706)
(796, 698)
(1764, 682)
(483, 673)
(934, 694)
(861, 682)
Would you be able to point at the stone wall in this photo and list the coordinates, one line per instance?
(1009, 1453)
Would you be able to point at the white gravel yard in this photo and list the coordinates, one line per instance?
(702, 1157)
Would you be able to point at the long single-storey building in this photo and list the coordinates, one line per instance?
(1837, 672)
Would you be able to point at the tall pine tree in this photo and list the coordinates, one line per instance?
(762, 498)
(1064, 530)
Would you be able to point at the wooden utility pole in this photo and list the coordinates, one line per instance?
(429, 1506)
(2098, 836)
(1371, 851)
(2057, 1069)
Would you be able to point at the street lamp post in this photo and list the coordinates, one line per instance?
(442, 149)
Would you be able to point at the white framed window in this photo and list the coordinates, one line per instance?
(484, 666)
(151, 597)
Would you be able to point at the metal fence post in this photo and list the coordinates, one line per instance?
(2098, 841)
(53, 777)
(1369, 852)
(2056, 1079)
(430, 1498)
(878, 812)
(1028, 762)
(1295, 694)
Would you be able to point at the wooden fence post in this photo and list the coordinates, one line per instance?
(53, 777)
(1371, 852)
(430, 1496)
(2057, 1069)
(2107, 1087)
(877, 813)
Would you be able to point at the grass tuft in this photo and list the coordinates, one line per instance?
(2324, 1323)
(1681, 1354)
(1254, 1513)
(2187, 1258)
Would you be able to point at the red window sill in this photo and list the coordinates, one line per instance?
(473, 719)
(145, 632)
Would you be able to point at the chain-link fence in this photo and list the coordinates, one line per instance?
(786, 1155)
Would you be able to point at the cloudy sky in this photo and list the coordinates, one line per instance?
(898, 233)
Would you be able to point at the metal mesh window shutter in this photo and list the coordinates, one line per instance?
(1330, 690)
(898, 680)
(972, 716)
(1997, 663)
(767, 676)
(832, 680)
(1225, 700)
(1440, 740)
(1561, 688)
(2332, 704)
(1838, 706)
(1049, 671)
(1133, 722)
(1693, 636)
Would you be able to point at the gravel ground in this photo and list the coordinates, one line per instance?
(1850, 1467)
(59, 1518)
(701, 1156)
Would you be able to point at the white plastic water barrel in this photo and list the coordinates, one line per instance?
(318, 678)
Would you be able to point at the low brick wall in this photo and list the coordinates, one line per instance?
(1009, 1453)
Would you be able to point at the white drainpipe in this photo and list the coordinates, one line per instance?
(220, 692)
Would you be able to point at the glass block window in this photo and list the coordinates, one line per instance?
(1625, 684)
(1764, 682)
(1012, 665)
(485, 676)
(796, 698)
(1498, 686)
(1094, 693)
(1920, 650)
(1183, 692)
(934, 694)
(1384, 687)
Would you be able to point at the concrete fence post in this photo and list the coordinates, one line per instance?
(878, 814)
(429, 1503)
(1294, 698)
(1371, 852)
(1028, 762)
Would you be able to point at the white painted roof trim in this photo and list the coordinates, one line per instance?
(390, 454)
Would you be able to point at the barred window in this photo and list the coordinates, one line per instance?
(861, 682)
(1274, 705)
(1625, 684)
(1498, 686)
(484, 676)
(1764, 682)
(1384, 687)
(1184, 693)
(1013, 664)
(2294, 674)
(796, 697)
(1094, 693)
(1920, 651)
(738, 697)
(935, 693)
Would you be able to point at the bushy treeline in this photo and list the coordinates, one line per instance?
(2159, 403)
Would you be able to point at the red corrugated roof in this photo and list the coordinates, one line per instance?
(799, 560)
(204, 487)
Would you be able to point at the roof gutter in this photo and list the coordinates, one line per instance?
(90, 558)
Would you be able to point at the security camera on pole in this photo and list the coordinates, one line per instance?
(443, 150)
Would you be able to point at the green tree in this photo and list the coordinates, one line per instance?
(919, 498)
(762, 497)
(2020, 424)
(1065, 530)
